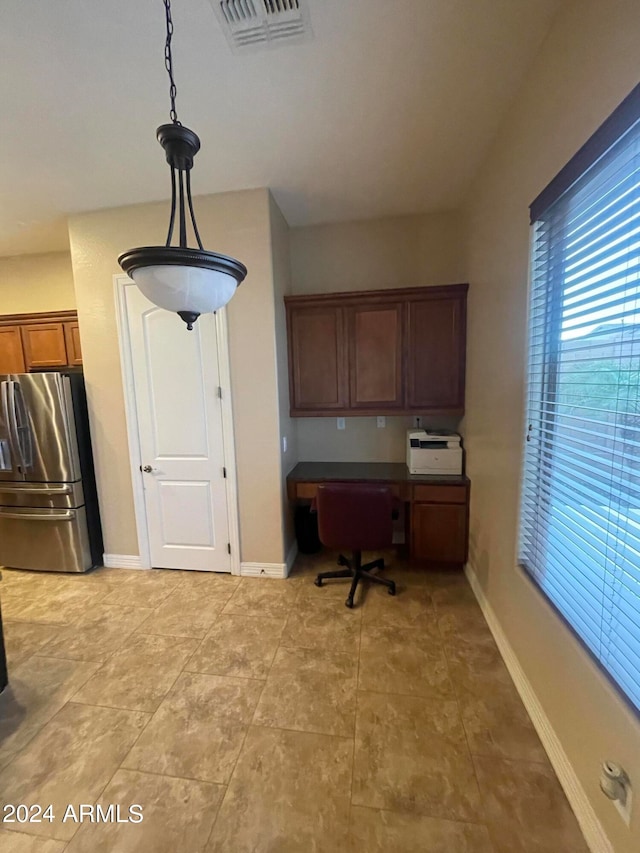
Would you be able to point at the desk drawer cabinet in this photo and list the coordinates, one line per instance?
(439, 524)
(440, 494)
(436, 510)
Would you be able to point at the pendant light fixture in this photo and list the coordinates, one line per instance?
(181, 279)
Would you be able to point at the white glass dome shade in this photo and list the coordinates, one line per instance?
(188, 281)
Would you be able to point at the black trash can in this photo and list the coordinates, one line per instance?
(306, 526)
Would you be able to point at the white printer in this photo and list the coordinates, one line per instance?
(433, 453)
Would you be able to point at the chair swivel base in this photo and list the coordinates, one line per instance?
(358, 572)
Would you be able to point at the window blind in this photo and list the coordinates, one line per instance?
(580, 505)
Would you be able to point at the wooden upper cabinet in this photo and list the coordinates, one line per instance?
(378, 352)
(436, 333)
(11, 357)
(317, 359)
(374, 334)
(44, 345)
(72, 341)
(39, 341)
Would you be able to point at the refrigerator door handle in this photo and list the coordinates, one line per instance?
(7, 445)
(3, 401)
(8, 400)
(66, 515)
(50, 490)
(20, 424)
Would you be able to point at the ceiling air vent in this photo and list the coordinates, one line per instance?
(256, 24)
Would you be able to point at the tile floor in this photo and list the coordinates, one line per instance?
(262, 716)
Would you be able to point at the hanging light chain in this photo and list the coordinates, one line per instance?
(168, 63)
(163, 272)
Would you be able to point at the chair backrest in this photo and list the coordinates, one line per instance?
(355, 516)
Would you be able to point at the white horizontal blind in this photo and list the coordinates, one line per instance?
(580, 508)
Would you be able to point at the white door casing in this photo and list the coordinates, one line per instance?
(180, 427)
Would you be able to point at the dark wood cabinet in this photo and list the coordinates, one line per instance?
(39, 341)
(374, 333)
(317, 359)
(436, 354)
(377, 352)
(439, 523)
(11, 355)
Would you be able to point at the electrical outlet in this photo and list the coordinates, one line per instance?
(382, 422)
(341, 423)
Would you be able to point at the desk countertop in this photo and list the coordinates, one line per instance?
(381, 472)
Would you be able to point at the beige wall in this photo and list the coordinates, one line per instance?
(236, 224)
(587, 66)
(400, 251)
(280, 247)
(35, 283)
(320, 440)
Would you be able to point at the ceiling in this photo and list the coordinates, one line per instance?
(388, 110)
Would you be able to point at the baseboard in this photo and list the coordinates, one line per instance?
(271, 570)
(264, 570)
(123, 561)
(291, 557)
(591, 827)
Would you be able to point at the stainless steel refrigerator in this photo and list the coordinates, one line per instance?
(49, 519)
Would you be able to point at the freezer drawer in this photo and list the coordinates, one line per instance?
(47, 540)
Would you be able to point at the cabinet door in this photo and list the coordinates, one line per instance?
(317, 362)
(439, 532)
(436, 354)
(11, 357)
(44, 345)
(375, 356)
(72, 340)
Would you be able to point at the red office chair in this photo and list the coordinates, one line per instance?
(357, 517)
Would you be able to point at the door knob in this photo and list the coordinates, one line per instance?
(147, 469)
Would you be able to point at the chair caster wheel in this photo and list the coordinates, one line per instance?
(349, 603)
(318, 581)
(392, 590)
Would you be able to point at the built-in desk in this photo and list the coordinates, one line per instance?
(437, 516)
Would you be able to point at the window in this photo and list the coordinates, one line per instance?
(580, 506)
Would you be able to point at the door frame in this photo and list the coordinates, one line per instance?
(120, 282)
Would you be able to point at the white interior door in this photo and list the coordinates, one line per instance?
(179, 415)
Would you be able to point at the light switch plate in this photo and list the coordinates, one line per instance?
(341, 423)
(382, 422)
